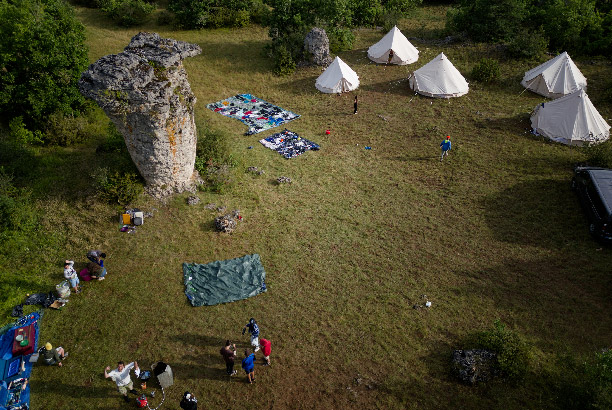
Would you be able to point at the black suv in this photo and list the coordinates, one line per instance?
(594, 187)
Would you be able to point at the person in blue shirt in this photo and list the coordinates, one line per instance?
(254, 330)
(445, 146)
(248, 364)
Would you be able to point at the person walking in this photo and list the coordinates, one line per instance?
(229, 355)
(445, 145)
(121, 376)
(248, 364)
(53, 356)
(266, 349)
(355, 106)
(71, 275)
(254, 330)
(390, 57)
(96, 267)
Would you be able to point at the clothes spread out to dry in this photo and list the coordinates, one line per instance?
(256, 113)
(288, 144)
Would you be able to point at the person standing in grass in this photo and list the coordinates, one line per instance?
(445, 145)
(254, 330)
(229, 354)
(121, 376)
(248, 364)
(97, 265)
(71, 275)
(355, 106)
(390, 57)
(266, 349)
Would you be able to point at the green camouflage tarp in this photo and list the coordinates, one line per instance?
(224, 281)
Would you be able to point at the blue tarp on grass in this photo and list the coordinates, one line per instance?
(16, 398)
(224, 281)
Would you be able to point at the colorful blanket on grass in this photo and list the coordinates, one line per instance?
(256, 113)
(288, 144)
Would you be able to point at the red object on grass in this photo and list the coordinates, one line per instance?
(85, 275)
(29, 334)
(327, 132)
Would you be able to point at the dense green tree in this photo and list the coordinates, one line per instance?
(42, 55)
(488, 20)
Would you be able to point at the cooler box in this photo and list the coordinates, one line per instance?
(138, 218)
(23, 341)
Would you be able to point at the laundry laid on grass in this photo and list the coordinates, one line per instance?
(18, 351)
(256, 113)
(224, 281)
(288, 144)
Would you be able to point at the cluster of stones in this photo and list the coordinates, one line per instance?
(283, 180)
(255, 170)
(193, 200)
(145, 92)
(476, 365)
(227, 223)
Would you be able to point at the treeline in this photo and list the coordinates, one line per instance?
(530, 27)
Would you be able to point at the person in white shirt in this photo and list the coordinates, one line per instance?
(121, 376)
(71, 275)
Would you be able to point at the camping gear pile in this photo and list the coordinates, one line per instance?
(288, 144)
(165, 378)
(256, 113)
(227, 223)
(224, 281)
(130, 219)
(18, 346)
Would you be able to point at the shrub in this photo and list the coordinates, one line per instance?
(165, 18)
(340, 39)
(65, 130)
(512, 352)
(486, 71)
(117, 187)
(43, 56)
(260, 13)
(528, 44)
(388, 19)
(128, 13)
(213, 159)
(16, 210)
(114, 143)
(190, 14)
(283, 61)
(599, 155)
(20, 134)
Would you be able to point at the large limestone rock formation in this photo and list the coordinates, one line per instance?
(145, 92)
(316, 45)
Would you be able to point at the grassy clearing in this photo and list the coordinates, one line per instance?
(349, 247)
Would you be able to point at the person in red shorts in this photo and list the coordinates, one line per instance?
(266, 349)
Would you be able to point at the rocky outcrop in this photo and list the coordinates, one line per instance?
(316, 47)
(476, 365)
(145, 92)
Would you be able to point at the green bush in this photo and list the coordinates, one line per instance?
(260, 13)
(16, 209)
(165, 18)
(512, 352)
(486, 71)
(42, 56)
(599, 155)
(213, 160)
(283, 61)
(20, 134)
(528, 44)
(128, 13)
(115, 143)
(388, 19)
(340, 39)
(117, 187)
(65, 130)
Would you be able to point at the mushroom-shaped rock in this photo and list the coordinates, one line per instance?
(145, 92)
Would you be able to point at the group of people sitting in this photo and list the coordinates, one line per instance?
(95, 270)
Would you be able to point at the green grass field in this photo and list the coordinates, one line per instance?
(492, 232)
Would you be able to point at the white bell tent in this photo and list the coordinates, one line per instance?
(439, 78)
(403, 52)
(337, 78)
(555, 78)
